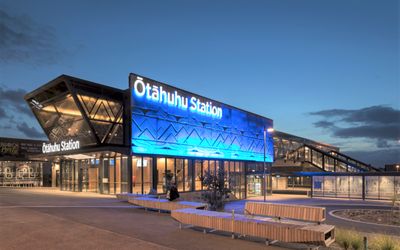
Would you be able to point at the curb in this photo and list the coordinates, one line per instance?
(331, 213)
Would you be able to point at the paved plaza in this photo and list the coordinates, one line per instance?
(49, 219)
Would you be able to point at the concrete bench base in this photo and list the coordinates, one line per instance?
(164, 204)
(128, 196)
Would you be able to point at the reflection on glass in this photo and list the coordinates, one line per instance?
(197, 175)
(161, 175)
(180, 173)
(137, 174)
(147, 174)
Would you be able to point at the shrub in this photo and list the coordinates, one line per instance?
(384, 242)
(343, 238)
(356, 241)
(349, 239)
(216, 189)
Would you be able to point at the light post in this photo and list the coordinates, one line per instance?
(265, 143)
(397, 168)
(269, 130)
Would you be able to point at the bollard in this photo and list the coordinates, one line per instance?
(365, 243)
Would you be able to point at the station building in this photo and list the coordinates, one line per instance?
(17, 166)
(140, 139)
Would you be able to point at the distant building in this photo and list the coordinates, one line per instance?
(17, 166)
(395, 167)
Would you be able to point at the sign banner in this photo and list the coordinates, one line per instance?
(171, 121)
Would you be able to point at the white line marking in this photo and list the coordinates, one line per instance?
(331, 213)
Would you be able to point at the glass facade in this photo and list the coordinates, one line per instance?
(105, 175)
(186, 174)
(110, 175)
(74, 109)
(383, 187)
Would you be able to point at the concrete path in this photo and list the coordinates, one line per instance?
(330, 204)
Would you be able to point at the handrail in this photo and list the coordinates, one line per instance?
(357, 161)
(361, 167)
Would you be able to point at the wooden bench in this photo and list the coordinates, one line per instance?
(295, 212)
(284, 230)
(164, 204)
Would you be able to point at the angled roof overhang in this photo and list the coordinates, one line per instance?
(72, 108)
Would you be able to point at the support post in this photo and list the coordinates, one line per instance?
(365, 243)
(130, 174)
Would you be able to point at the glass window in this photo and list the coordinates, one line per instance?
(226, 173)
(212, 167)
(180, 174)
(329, 186)
(187, 176)
(124, 174)
(170, 177)
(147, 166)
(137, 167)
(386, 187)
(160, 175)
(118, 174)
(198, 175)
(371, 187)
(342, 186)
(355, 186)
(205, 167)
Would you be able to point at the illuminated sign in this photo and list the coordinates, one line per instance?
(60, 147)
(172, 122)
(158, 94)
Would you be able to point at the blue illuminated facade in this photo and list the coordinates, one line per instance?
(173, 122)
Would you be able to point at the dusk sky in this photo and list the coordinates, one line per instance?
(324, 70)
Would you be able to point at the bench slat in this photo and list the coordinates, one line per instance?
(296, 212)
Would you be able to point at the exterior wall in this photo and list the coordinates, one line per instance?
(162, 126)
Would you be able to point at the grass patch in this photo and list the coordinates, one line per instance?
(384, 242)
(350, 239)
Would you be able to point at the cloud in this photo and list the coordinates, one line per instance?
(380, 123)
(14, 99)
(371, 115)
(380, 132)
(30, 132)
(3, 113)
(23, 40)
(15, 114)
(324, 124)
(377, 158)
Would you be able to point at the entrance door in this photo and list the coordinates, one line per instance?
(254, 185)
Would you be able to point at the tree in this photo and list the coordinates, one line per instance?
(216, 189)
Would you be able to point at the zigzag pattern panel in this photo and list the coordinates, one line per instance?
(165, 130)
